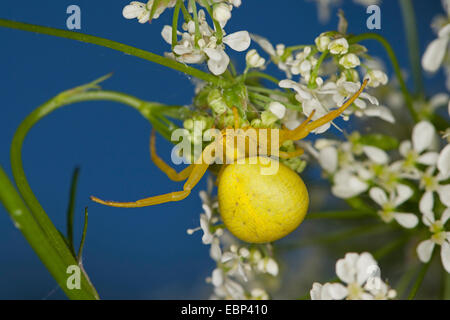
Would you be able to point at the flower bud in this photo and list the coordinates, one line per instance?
(338, 46)
(268, 118)
(216, 102)
(322, 42)
(376, 78)
(221, 13)
(254, 60)
(349, 61)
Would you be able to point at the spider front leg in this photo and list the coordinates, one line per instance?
(198, 171)
(306, 127)
(164, 167)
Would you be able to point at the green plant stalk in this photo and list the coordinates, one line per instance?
(412, 38)
(312, 81)
(66, 98)
(176, 14)
(41, 244)
(71, 209)
(167, 62)
(395, 65)
(420, 277)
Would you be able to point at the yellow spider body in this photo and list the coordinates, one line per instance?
(261, 208)
(254, 206)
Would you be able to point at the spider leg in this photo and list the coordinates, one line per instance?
(300, 133)
(164, 167)
(197, 173)
(291, 154)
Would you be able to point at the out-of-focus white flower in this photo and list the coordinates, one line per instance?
(349, 61)
(347, 184)
(436, 50)
(268, 265)
(259, 294)
(439, 236)
(389, 205)
(254, 60)
(338, 46)
(361, 278)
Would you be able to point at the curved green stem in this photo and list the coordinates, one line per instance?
(312, 80)
(167, 62)
(420, 277)
(395, 64)
(79, 94)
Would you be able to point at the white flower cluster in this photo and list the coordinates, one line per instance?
(238, 265)
(356, 168)
(361, 281)
(322, 96)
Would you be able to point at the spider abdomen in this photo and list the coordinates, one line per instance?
(258, 207)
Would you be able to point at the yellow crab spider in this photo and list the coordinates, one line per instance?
(255, 207)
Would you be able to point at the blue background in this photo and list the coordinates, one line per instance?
(130, 253)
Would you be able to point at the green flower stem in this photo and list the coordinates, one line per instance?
(262, 75)
(446, 287)
(197, 26)
(217, 26)
(412, 38)
(167, 62)
(54, 261)
(270, 91)
(176, 14)
(395, 64)
(312, 80)
(186, 15)
(420, 277)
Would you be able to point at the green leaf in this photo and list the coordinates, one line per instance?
(83, 237)
(71, 208)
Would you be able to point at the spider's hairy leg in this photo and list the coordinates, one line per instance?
(164, 167)
(303, 130)
(197, 173)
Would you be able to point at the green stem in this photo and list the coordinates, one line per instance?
(262, 75)
(186, 15)
(395, 65)
(420, 277)
(66, 98)
(412, 39)
(54, 261)
(197, 26)
(217, 26)
(176, 14)
(312, 80)
(115, 46)
(71, 209)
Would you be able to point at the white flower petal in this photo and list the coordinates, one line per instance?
(277, 109)
(405, 147)
(407, 220)
(328, 159)
(365, 267)
(239, 41)
(445, 256)
(428, 158)
(444, 194)
(264, 44)
(424, 250)
(378, 195)
(376, 154)
(445, 216)
(316, 292)
(426, 207)
(133, 10)
(404, 192)
(218, 66)
(380, 112)
(346, 268)
(434, 54)
(422, 136)
(337, 291)
(166, 33)
(443, 162)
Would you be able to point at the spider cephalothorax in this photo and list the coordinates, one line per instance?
(256, 206)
